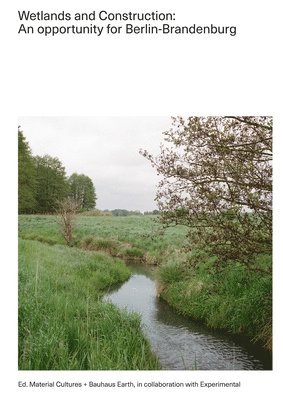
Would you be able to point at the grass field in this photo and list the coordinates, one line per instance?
(131, 237)
(234, 299)
(63, 325)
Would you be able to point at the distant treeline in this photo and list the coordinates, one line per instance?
(42, 182)
(117, 213)
(123, 213)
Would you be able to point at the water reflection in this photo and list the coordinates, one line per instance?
(179, 342)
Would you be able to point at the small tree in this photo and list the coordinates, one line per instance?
(66, 212)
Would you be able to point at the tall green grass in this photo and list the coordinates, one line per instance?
(234, 298)
(63, 325)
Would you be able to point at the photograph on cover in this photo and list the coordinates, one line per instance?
(145, 243)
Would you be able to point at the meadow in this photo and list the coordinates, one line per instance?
(63, 324)
(132, 237)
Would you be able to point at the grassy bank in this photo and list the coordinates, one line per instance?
(63, 325)
(233, 298)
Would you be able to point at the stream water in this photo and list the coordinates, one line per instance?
(181, 343)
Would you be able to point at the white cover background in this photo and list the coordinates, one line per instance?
(130, 76)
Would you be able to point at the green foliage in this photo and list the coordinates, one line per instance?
(173, 268)
(52, 183)
(94, 243)
(124, 213)
(43, 228)
(134, 252)
(233, 299)
(63, 325)
(95, 213)
(43, 183)
(26, 176)
(82, 191)
(111, 246)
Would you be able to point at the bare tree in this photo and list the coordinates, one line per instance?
(217, 179)
(66, 212)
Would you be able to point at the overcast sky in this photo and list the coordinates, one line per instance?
(107, 150)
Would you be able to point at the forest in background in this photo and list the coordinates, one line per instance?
(42, 183)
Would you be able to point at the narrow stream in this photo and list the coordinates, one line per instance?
(181, 343)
